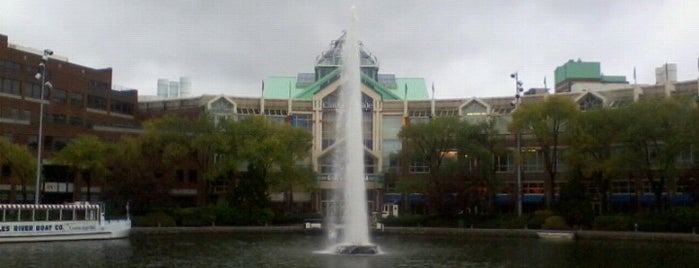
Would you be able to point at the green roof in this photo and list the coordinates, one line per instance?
(578, 70)
(283, 87)
(585, 71)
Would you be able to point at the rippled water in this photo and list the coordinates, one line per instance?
(295, 250)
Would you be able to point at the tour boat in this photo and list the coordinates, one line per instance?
(44, 222)
(556, 235)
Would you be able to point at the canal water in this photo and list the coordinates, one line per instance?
(296, 250)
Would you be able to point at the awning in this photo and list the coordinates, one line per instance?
(503, 198)
(416, 198)
(682, 199)
(392, 198)
(620, 198)
(533, 198)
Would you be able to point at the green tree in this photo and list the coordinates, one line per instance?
(172, 142)
(546, 122)
(131, 178)
(293, 170)
(87, 157)
(271, 151)
(434, 144)
(478, 145)
(594, 153)
(657, 132)
(20, 166)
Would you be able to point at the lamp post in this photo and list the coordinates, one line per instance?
(518, 141)
(41, 75)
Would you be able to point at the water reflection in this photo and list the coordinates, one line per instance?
(281, 250)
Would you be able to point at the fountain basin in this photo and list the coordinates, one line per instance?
(357, 249)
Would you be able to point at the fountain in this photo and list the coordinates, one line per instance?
(349, 158)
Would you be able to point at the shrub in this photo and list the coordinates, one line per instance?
(154, 219)
(538, 219)
(613, 222)
(555, 223)
(405, 221)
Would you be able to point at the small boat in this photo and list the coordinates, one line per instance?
(44, 222)
(560, 235)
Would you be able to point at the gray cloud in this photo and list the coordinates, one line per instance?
(466, 48)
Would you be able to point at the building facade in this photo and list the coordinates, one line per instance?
(81, 101)
(309, 101)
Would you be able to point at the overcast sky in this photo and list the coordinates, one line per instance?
(466, 48)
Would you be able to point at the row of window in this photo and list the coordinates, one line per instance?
(55, 95)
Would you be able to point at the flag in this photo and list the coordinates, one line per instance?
(406, 91)
(545, 82)
(634, 74)
(433, 90)
(263, 86)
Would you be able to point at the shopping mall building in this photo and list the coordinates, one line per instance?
(309, 100)
(82, 101)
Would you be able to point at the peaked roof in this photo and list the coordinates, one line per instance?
(285, 87)
(389, 87)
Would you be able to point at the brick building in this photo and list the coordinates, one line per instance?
(81, 101)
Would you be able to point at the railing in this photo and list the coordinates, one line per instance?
(376, 178)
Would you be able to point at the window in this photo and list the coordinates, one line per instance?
(328, 129)
(9, 86)
(221, 106)
(98, 85)
(59, 96)
(622, 187)
(533, 188)
(32, 90)
(326, 164)
(76, 99)
(590, 102)
(59, 118)
(369, 164)
(533, 160)
(302, 120)
(419, 166)
(122, 107)
(75, 121)
(96, 102)
(192, 175)
(179, 175)
(367, 129)
(505, 163)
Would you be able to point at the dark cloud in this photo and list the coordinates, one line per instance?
(465, 48)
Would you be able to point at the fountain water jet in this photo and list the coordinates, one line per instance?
(349, 158)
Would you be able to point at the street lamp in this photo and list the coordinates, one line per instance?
(518, 140)
(41, 75)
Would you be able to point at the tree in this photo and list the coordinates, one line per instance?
(171, 143)
(131, 177)
(87, 157)
(291, 173)
(546, 122)
(271, 151)
(479, 144)
(593, 153)
(657, 133)
(433, 144)
(17, 163)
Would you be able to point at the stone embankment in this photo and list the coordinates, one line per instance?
(524, 233)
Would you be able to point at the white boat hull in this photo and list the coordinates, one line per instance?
(35, 231)
(562, 236)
